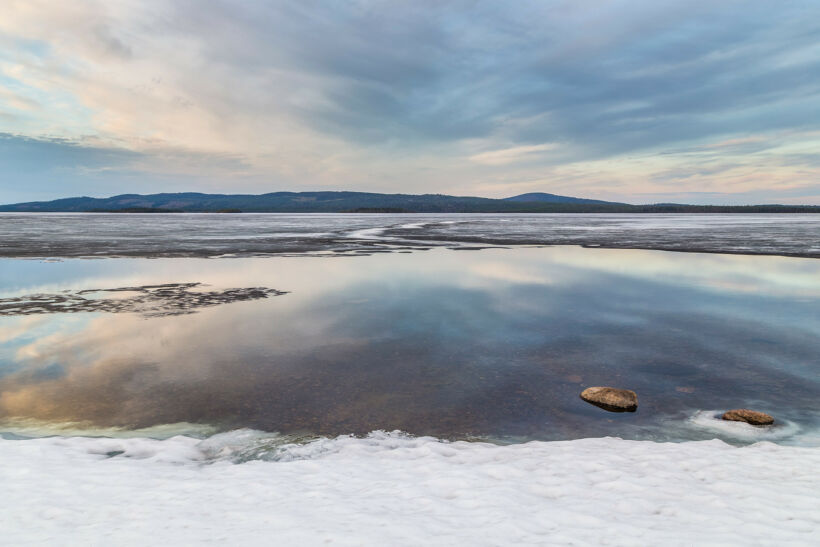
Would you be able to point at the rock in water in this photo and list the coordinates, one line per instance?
(611, 399)
(749, 416)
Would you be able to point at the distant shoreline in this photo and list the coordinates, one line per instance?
(635, 209)
(748, 210)
(368, 202)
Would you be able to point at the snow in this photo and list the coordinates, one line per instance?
(392, 489)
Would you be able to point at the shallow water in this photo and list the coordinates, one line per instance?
(495, 344)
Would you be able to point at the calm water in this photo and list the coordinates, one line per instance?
(496, 343)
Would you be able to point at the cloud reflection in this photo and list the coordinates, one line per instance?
(439, 342)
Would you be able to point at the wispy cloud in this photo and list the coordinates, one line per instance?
(515, 154)
(459, 96)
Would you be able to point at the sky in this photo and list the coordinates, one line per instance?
(640, 101)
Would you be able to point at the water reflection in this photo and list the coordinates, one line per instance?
(495, 343)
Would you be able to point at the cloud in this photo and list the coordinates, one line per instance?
(515, 154)
(17, 101)
(24, 155)
(411, 97)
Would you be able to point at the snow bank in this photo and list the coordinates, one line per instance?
(390, 489)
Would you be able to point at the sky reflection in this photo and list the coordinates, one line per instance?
(493, 343)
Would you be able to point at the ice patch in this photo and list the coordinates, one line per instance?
(367, 233)
(244, 445)
(710, 420)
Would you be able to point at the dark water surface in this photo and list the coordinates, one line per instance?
(496, 343)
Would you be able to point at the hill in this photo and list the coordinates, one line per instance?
(543, 197)
(281, 202)
(340, 202)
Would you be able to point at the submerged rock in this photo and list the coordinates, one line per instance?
(611, 399)
(749, 416)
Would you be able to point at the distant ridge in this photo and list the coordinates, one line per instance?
(543, 197)
(334, 202)
(368, 202)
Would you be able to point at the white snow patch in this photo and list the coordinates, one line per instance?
(392, 489)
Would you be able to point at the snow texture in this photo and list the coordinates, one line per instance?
(391, 489)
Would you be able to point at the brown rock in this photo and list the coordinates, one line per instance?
(611, 399)
(749, 416)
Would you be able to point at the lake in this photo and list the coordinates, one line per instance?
(337, 336)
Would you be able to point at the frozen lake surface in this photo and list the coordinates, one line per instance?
(210, 235)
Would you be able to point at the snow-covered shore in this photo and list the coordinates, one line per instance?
(390, 489)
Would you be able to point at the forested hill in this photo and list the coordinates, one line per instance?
(338, 202)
